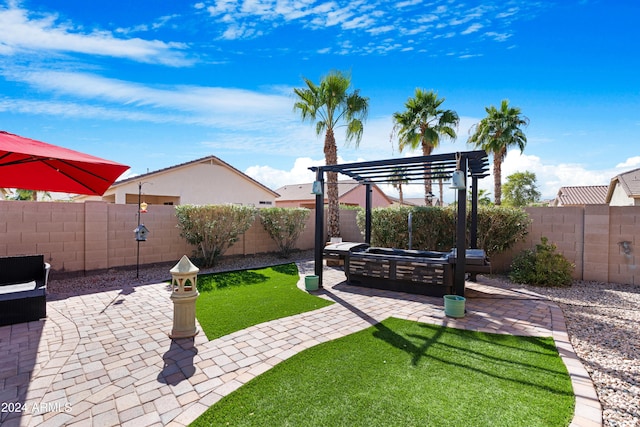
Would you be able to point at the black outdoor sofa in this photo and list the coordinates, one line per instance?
(418, 272)
(23, 288)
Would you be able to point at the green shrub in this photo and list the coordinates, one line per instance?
(344, 207)
(284, 226)
(213, 228)
(388, 226)
(499, 227)
(542, 266)
(434, 228)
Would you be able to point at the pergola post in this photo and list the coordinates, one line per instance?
(461, 233)
(367, 220)
(473, 232)
(319, 232)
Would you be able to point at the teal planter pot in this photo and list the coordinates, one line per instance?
(311, 282)
(454, 305)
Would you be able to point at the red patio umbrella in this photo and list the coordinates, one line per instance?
(34, 165)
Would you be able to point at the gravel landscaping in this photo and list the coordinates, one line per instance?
(603, 321)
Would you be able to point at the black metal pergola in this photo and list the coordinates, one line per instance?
(470, 164)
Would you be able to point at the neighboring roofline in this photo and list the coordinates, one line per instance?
(376, 186)
(612, 186)
(192, 162)
(562, 193)
(623, 184)
(405, 201)
(352, 182)
(310, 184)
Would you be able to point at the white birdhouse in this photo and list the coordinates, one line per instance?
(141, 233)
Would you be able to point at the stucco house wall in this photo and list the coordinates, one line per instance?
(204, 181)
(619, 197)
(357, 197)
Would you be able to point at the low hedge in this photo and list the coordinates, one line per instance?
(434, 228)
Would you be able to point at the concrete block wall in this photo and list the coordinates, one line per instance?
(596, 243)
(56, 230)
(163, 243)
(564, 227)
(623, 257)
(256, 240)
(348, 226)
(98, 235)
(590, 237)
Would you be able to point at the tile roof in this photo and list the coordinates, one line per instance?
(630, 182)
(303, 191)
(582, 195)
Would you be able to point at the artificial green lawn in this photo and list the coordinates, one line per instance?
(403, 373)
(233, 301)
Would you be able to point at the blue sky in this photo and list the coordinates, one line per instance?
(151, 84)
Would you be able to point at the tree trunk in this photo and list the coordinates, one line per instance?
(426, 151)
(497, 176)
(400, 191)
(331, 158)
(441, 185)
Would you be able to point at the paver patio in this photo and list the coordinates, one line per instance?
(104, 359)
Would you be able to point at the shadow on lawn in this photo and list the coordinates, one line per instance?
(290, 269)
(387, 334)
(420, 352)
(211, 282)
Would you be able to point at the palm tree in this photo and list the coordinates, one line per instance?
(440, 175)
(423, 123)
(484, 198)
(398, 179)
(495, 134)
(327, 105)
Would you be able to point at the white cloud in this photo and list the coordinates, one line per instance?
(507, 13)
(240, 32)
(84, 111)
(298, 174)
(425, 19)
(406, 19)
(276, 178)
(630, 163)
(407, 3)
(472, 29)
(380, 30)
(499, 37)
(358, 22)
(222, 7)
(203, 100)
(549, 176)
(22, 33)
